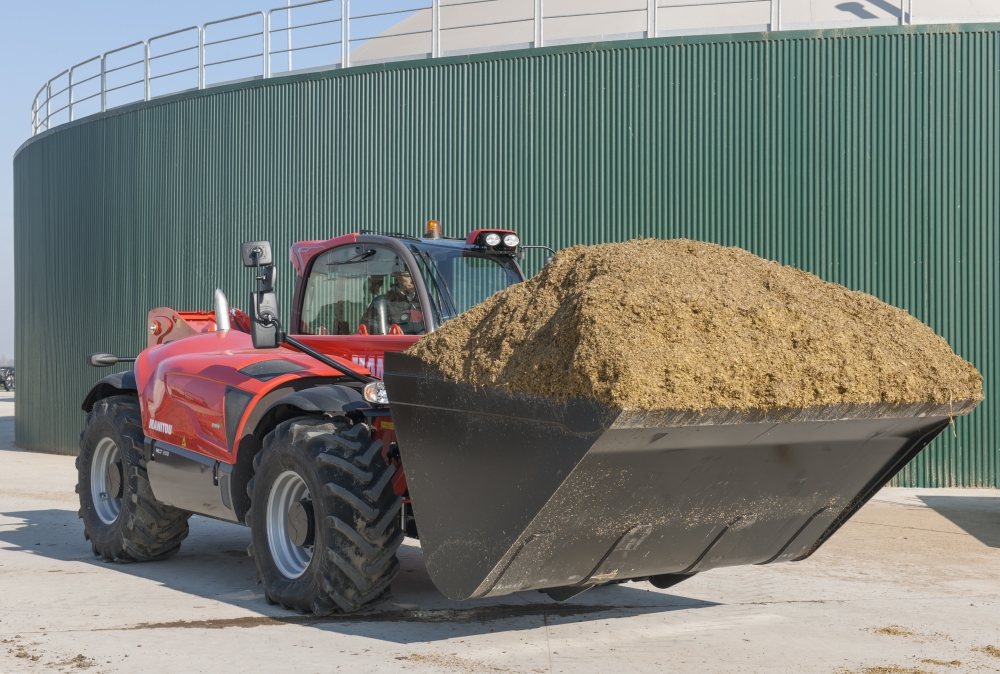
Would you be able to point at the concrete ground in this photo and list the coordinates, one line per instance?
(911, 584)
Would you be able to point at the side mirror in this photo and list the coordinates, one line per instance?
(263, 324)
(265, 280)
(265, 330)
(256, 253)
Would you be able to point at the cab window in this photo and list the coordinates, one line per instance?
(361, 289)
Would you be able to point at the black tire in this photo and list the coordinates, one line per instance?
(356, 529)
(144, 529)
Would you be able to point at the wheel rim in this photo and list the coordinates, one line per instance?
(290, 559)
(107, 506)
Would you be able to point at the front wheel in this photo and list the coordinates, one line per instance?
(122, 519)
(324, 519)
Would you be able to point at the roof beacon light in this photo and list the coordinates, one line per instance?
(511, 241)
(492, 239)
(433, 230)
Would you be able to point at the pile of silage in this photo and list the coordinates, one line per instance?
(686, 325)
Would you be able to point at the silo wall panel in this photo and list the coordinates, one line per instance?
(866, 156)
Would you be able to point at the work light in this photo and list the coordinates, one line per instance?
(511, 241)
(375, 393)
(492, 239)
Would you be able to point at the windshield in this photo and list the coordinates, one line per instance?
(361, 289)
(458, 279)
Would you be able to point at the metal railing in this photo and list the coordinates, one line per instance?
(341, 40)
(240, 41)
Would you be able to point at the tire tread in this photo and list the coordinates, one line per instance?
(359, 514)
(152, 530)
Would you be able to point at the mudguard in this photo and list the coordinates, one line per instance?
(518, 492)
(329, 399)
(113, 384)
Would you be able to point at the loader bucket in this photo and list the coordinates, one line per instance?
(517, 492)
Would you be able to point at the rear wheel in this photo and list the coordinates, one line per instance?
(122, 519)
(325, 521)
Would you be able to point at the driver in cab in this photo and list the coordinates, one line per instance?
(401, 307)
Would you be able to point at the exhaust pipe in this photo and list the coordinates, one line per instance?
(221, 311)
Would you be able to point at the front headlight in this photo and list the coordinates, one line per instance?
(492, 239)
(375, 393)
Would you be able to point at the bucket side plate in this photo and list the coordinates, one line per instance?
(480, 465)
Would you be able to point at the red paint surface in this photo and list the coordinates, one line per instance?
(183, 383)
(303, 252)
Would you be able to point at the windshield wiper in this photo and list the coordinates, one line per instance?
(360, 257)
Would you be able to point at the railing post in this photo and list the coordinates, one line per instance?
(288, 25)
(267, 45)
(651, 7)
(265, 61)
(539, 18)
(435, 28)
(71, 94)
(778, 14)
(145, 71)
(48, 105)
(104, 86)
(345, 61)
(201, 57)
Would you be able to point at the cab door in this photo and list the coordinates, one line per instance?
(359, 301)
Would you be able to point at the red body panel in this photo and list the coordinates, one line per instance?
(303, 252)
(166, 325)
(183, 384)
(364, 350)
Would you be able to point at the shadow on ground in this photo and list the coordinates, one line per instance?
(213, 564)
(979, 516)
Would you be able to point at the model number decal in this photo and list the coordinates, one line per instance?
(160, 427)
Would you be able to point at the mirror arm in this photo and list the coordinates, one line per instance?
(309, 351)
(548, 258)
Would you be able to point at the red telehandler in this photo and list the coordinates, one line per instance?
(303, 433)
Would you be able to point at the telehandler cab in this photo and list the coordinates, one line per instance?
(332, 446)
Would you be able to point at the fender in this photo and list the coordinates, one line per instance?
(279, 405)
(330, 399)
(113, 384)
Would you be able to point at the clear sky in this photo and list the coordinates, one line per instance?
(44, 37)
